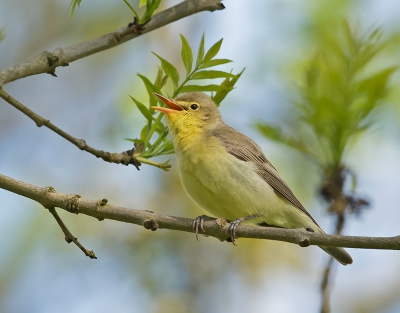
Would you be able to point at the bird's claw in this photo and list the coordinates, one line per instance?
(198, 223)
(232, 229)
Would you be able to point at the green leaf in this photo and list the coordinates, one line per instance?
(157, 126)
(143, 109)
(151, 6)
(151, 88)
(275, 133)
(228, 83)
(168, 149)
(376, 84)
(214, 63)
(170, 70)
(160, 78)
(212, 52)
(187, 55)
(142, 3)
(200, 52)
(72, 7)
(144, 132)
(132, 9)
(137, 141)
(211, 74)
(164, 81)
(212, 87)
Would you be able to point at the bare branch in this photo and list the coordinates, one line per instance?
(326, 287)
(68, 236)
(72, 203)
(125, 158)
(47, 62)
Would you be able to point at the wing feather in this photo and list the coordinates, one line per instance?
(245, 149)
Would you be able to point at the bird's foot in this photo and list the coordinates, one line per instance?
(198, 223)
(232, 229)
(232, 226)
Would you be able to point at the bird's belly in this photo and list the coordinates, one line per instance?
(231, 189)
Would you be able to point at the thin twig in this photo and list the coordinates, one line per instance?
(333, 193)
(125, 158)
(326, 284)
(101, 210)
(325, 287)
(68, 236)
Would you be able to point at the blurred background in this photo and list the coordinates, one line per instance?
(167, 271)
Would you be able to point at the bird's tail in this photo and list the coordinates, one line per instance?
(339, 254)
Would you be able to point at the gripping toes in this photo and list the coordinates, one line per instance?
(199, 223)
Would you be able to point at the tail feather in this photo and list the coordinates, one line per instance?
(339, 254)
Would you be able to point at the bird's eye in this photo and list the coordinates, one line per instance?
(194, 106)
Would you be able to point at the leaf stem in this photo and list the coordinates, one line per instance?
(165, 166)
(132, 9)
(152, 129)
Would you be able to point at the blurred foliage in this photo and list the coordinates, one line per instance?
(149, 7)
(72, 7)
(194, 70)
(1, 35)
(339, 96)
(341, 90)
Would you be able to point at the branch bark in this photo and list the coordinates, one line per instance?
(101, 210)
(47, 62)
(125, 158)
(68, 236)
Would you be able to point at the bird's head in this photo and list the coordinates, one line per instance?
(193, 112)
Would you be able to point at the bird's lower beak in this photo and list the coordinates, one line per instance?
(173, 107)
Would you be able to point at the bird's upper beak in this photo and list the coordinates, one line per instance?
(173, 107)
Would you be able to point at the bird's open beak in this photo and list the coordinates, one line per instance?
(173, 107)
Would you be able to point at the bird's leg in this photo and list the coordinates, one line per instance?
(199, 223)
(232, 226)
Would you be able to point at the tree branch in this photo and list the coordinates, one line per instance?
(68, 236)
(125, 158)
(73, 203)
(47, 62)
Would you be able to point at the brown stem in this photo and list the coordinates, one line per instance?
(68, 236)
(326, 284)
(101, 210)
(332, 191)
(124, 158)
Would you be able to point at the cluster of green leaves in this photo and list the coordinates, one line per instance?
(198, 69)
(339, 96)
(149, 7)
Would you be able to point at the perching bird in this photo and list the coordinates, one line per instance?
(227, 174)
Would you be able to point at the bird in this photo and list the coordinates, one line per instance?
(227, 174)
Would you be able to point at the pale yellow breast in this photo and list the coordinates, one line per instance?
(219, 183)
